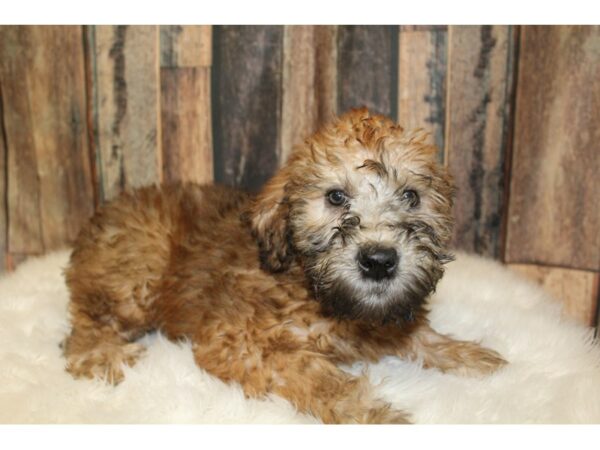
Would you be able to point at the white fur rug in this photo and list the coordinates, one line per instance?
(553, 375)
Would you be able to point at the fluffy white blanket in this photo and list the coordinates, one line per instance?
(553, 375)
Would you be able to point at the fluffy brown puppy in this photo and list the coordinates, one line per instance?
(331, 263)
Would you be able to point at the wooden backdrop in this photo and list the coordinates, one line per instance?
(88, 111)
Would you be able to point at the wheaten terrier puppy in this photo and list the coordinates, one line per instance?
(331, 263)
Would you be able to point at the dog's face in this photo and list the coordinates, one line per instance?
(365, 209)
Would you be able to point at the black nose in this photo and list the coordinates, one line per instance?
(378, 263)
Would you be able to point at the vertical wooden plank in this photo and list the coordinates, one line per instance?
(3, 180)
(422, 80)
(246, 89)
(309, 82)
(367, 68)
(23, 184)
(49, 178)
(478, 116)
(185, 103)
(185, 46)
(554, 211)
(125, 64)
(577, 289)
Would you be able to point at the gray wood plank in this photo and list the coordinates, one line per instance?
(246, 93)
(368, 68)
(480, 80)
(126, 96)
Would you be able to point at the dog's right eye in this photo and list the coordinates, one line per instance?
(336, 197)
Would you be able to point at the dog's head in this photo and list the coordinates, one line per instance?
(366, 210)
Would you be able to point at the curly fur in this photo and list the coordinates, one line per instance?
(268, 289)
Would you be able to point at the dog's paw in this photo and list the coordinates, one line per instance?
(104, 361)
(387, 415)
(475, 360)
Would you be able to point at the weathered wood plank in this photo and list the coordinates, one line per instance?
(23, 190)
(477, 125)
(309, 82)
(186, 130)
(367, 68)
(422, 81)
(185, 46)
(125, 64)
(49, 178)
(404, 28)
(246, 93)
(186, 55)
(576, 289)
(3, 205)
(554, 211)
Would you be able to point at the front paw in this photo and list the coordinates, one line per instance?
(471, 359)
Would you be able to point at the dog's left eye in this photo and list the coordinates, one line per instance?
(411, 197)
(336, 197)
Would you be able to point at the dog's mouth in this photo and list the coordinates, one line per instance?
(346, 292)
(378, 303)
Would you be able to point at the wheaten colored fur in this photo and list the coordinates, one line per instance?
(268, 289)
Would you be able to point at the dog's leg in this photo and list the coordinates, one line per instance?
(99, 350)
(442, 352)
(311, 382)
(318, 387)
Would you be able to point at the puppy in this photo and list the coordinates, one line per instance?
(331, 263)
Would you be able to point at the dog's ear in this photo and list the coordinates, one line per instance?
(268, 218)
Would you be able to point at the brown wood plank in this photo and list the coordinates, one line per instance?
(404, 28)
(422, 81)
(554, 211)
(3, 180)
(23, 186)
(186, 130)
(576, 289)
(480, 65)
(186, 55)
(367, 68)
(49, 178)
(185, 46)
(246, 93)
(125, 64)
(309, 82)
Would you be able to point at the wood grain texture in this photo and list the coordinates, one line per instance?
(49, 178)
(186, 55)
(246, 94)
(576, 289)
(185, 46)
(554, 211)
(422, 81)
(3, 182)
(125, 65)
(309, 82)
(186, 130)
(480, 65)
(367, 68)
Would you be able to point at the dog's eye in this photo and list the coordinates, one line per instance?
(336, 197)
(411, 197)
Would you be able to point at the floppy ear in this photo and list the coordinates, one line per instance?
(269, 221)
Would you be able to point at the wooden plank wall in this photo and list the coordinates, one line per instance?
(123, 61)
(246, 95)
(185, 60)
(48, 182)
(513, 111)
(554, 205)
